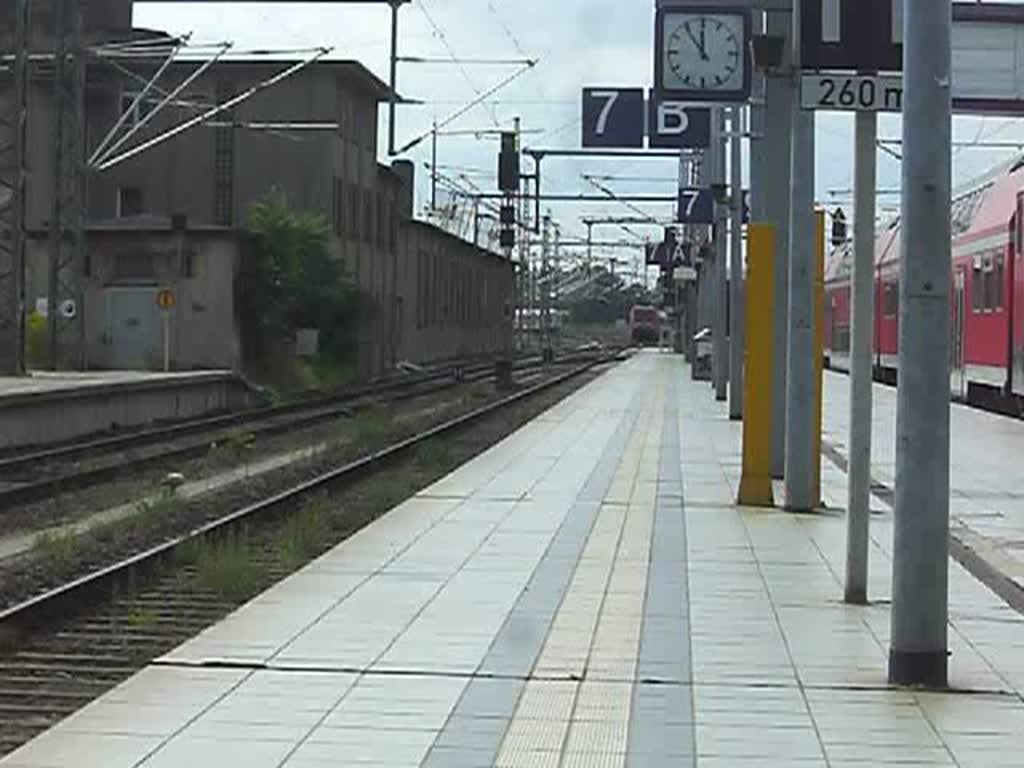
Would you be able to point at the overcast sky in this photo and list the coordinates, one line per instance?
(578, 43)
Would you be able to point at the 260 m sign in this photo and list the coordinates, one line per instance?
(852, 93)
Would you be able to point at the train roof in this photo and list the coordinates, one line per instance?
(982, 208)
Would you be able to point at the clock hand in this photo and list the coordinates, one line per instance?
(698, 43)
(703, 39)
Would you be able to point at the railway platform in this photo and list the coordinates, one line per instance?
(986, 499)
(585, 593)
(53, 407)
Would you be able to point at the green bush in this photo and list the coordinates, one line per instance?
(36, 342)
(306, 533)
(228, 567)
(289, 280)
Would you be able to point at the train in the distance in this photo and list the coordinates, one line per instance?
(645, 325)
(986, 288)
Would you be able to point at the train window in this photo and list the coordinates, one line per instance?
(997, 279)
(892, 299)
(977, 288)
(988, 284)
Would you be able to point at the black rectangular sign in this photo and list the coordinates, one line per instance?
(851, 35)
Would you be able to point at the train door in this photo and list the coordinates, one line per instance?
(959, 361)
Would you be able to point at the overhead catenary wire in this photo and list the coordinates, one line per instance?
(248, 93)
(139, 99)
(443, 38)
(612, 196)
(99, 159)
(460, 112)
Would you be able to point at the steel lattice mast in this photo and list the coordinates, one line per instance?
(13, 120)
(67, 222)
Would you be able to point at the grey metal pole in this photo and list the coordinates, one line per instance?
(858, 507)
(433, 170)
(555, 285)
(736, 267)
(590, 246)
(759, 191)
(393, 95)
(545, 288)
(920, 609)
(778, 153)
(719, 342)
(799, 464)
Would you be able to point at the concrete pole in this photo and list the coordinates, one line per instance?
(920, 607)
(799, 463)
(736, 267)
(778, 152)
(719, 342)
(858, 507)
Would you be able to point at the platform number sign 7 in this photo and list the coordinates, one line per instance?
(613, 118)
(688, 201)
(610, 98)
(696, 206)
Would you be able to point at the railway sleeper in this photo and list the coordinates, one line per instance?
(19, 683)
(57, 709)
(83, 658)
(62, 694)
(14, 684)
(91, 639)
(70, 671)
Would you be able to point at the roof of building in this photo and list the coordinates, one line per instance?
(450, 236)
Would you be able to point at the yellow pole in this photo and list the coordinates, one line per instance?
(756, 480)
(819, 344)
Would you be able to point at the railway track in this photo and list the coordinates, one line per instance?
(66, 647)
(41, 474)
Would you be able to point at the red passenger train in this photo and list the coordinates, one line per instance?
(645, 325)
(987, 291)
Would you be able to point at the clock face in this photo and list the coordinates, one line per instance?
(704, 52)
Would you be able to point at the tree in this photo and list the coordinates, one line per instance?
(606, 299)
(289, 281)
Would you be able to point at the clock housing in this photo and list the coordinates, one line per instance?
(703, 53)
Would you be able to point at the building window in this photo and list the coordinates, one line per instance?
(136, 112)
(338, 207)
(353, 210)
(134, 266)
(382, 222)
(130, 202)
(419, 289)
(368, 217)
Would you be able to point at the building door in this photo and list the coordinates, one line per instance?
(132, 327)
(959, 362)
